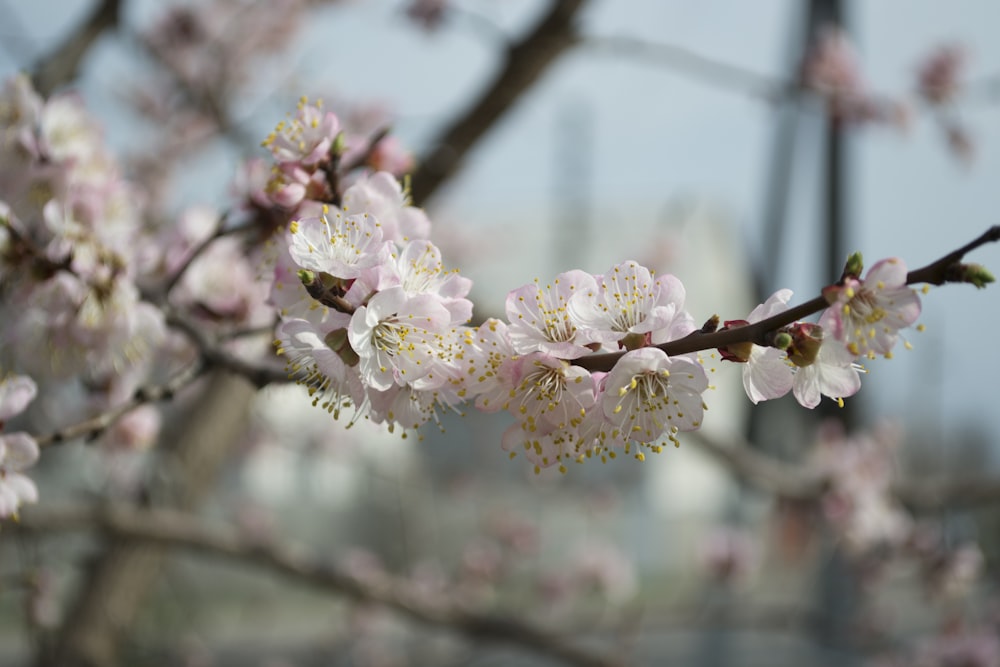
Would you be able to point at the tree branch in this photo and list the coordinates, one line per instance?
(62, 65)
(527, 61)
(716, 72)
(170, 528)
(797, 481)
(95, 426)
(935, 273)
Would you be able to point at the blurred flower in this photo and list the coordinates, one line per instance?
(939, 76)
(18, 451)
(728, 554)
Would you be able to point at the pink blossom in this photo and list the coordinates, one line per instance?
(488, 365)
(540, 320)
(18, 451)
(833, 374)
(629, 303)
(867, 315)
(648, 395)
(382, 196)
(305, 139)
(401, 340)
(939, 76)
(421, 271)
(312, 363)
(343, 246)
(767, 373)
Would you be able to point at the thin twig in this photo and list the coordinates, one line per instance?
(215, 357)
(798, 481)
(220, 231)
(527, 60)
(63, 64)
(684, 61)
(935, 273)
(181, 530)
(95, 426)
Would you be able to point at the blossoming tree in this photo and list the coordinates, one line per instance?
(109, 313)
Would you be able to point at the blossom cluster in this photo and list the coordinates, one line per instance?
(369, 318)
(372, 321)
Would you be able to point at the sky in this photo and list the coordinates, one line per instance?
(646, 140)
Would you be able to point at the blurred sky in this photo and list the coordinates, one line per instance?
(653, 134)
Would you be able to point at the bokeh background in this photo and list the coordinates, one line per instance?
(675, 133)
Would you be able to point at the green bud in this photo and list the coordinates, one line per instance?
(306, 276)
(854, 266)
(978, 275)
(338, 145)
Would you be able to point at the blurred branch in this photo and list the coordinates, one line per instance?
(63, 64)
(212, 357)
(527, 60)
(778, 478)
(169, 528)
(684, 61)
(799, 481)
(95, 426)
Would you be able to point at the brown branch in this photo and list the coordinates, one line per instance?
(218, 232)
(527, 60)
(214, 356)
(95, 426)
(62, 65)
(936, 273)
(169, 528)
(798, 481)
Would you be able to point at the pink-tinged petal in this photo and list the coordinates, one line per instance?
(904, 306)
(15, 394)
(776, 303)
(889, 272)
(23, 487)
(766, 374)
(21, 451)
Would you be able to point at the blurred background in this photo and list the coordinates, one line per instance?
(743, 147)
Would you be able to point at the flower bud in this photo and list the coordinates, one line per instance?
(306, 276)
(634, 341)
(806, 341)
(736, 352)
(853, 267)
(976, 274)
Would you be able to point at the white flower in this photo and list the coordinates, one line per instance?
(401, 340)
(648, 395)
(307, 138)
(312, 363)
(832, 374)
(342, 246)
(548, 393)
(487, 363)
(18, 451)
(867, 315)
(767, 373)
(629, 300)
(539, 318)
(381, 195)
(421, 271)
